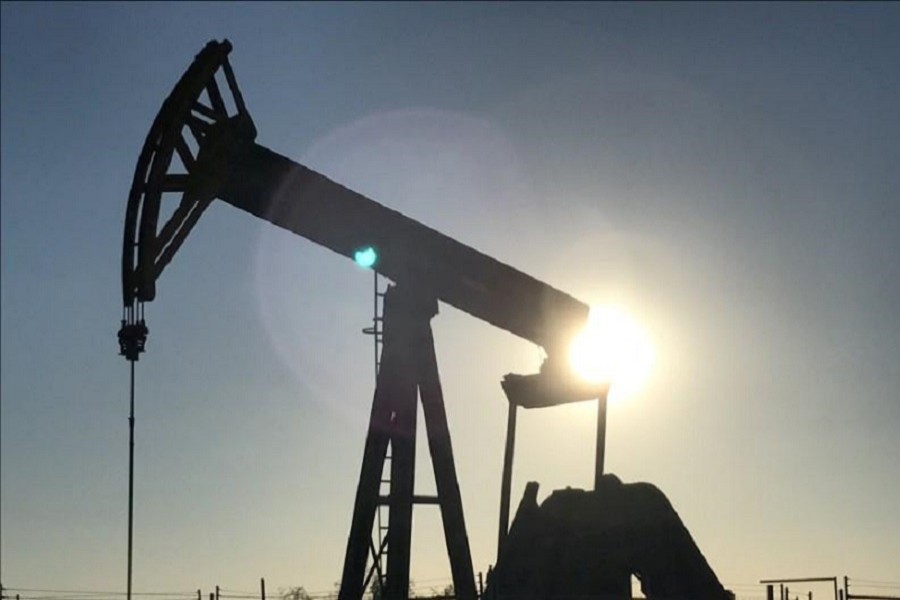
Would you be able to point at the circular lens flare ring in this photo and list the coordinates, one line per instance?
(612, 349)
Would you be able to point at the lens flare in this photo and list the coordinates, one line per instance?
(366, 257)
(612, 349)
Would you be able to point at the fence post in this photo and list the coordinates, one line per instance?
(262, 588)
(217, 592)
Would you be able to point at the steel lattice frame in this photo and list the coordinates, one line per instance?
(183, 119)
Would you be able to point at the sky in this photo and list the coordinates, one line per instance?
(727, 174)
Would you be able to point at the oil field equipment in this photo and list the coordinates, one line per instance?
(205, 123)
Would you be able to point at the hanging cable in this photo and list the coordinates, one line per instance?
(132, 339)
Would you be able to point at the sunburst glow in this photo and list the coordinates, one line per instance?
(613, 349)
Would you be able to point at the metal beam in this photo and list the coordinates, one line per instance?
(294, 197)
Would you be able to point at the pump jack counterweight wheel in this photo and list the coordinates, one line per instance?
(193, 111)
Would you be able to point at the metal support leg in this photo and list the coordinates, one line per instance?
(403, 469)
(601, 440)
(506, 484)
(366, 503)
(445, 474)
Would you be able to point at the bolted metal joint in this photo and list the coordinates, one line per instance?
(132, 339)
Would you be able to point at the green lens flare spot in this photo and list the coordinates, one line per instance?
(366, 257)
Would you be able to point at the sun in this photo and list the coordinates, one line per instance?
(613, 349)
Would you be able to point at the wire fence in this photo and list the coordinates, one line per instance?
(57, 594)
(431, 589)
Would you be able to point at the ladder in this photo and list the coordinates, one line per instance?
(379, 540)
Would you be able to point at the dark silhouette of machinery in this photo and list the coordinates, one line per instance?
(587, 544)
(205, 124)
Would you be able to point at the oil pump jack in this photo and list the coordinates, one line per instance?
(205, 124)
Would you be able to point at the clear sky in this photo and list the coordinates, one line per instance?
(727, 173)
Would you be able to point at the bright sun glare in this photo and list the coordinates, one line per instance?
(614, 349)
